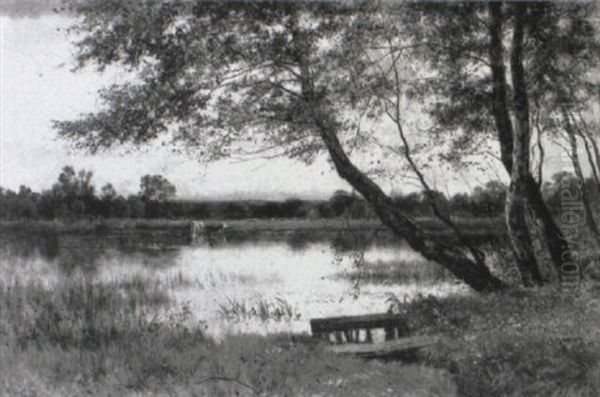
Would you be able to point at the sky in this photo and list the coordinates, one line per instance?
(37, 85)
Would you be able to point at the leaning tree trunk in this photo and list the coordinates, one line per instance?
(475, 275)
(455, 260)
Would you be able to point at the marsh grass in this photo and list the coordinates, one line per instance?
(397, 272)
(277, 309)
(124, 338)
(78, 312)
(219, 278)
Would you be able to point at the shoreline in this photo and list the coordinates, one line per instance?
(473, 226)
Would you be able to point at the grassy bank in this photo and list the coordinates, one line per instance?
(119, 338)
(520, 343)
(125, 339)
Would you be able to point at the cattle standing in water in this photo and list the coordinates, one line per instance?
(211, 233)
(196, 230)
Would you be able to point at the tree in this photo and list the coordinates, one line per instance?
(551, 50)
(72, 194)
(298, 78)
(410, 203)
(235, 210)
(341, 201)
(489, 200)
(572, 152)
(136, 208)
(108, 196)
(294, 208)
(156, 188)
(108, 192)
(20, 205)
(460, 203)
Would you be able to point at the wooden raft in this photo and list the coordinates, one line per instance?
(353, 334)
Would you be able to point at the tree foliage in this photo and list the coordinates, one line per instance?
(156, 188)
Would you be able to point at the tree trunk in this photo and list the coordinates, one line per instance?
(557, 244)
(517, 197)
(591, 149)
(473, 274)
(587, 206)
(395, 116)
(554, 239)
(515, 155)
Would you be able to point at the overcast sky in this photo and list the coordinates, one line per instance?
(37, 86)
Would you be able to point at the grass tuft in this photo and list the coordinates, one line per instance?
(278, 309)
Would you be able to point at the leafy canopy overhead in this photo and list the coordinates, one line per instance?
(234, 77)
(218, 76)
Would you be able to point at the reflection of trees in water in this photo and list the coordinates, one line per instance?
(351, 240)
(24, 245)
(297, 240)
(85, 252)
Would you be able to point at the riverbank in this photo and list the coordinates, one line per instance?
(121, 331)
(86, 339)
(474, 226)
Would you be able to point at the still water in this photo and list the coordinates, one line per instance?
(251, 283)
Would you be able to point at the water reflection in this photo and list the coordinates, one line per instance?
(237, 284)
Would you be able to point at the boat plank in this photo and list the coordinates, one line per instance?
(367, 321)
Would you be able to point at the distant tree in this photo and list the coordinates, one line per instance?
(489, 200)
(341, 201)
(108, 192)
(27, 203)
(156, 188)
(136, 207)
(62, 211)
(4, 203)
(72, 195)
(460, 203)
(268, 209)
(411, 203)
(120, 207)
(325, 210)
(108, 196)
(294, 208)
(78, 208)
(560, 182)
(358, 209)
(235, 210)
(21, 205)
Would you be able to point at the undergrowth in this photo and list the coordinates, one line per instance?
(516, 343)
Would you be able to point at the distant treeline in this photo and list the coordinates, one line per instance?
(74, 197)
